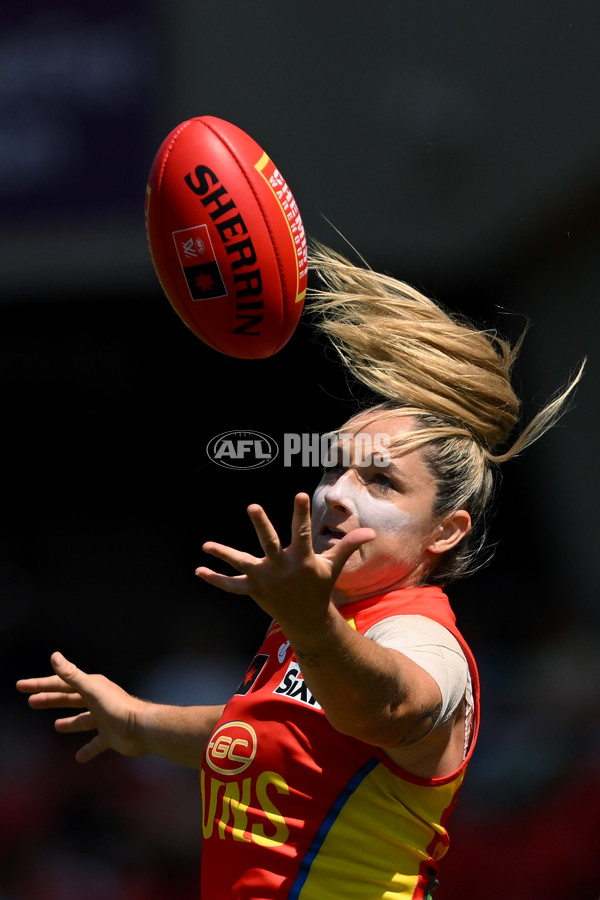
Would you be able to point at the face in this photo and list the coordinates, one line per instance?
(395, 500)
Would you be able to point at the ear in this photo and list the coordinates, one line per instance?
(450, 531)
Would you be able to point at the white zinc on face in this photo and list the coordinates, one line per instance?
(395, 500)
(371, 510)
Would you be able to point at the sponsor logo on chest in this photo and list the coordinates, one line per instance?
(293, 686)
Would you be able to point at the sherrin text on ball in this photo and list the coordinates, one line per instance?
(226, 238)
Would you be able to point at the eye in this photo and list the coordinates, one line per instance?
(333, 469)
(334, 461)
(384, 481)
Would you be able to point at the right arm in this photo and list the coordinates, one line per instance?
(124, 723)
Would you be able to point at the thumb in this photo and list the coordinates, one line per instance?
(346, 547)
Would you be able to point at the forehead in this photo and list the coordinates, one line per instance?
(390, 427)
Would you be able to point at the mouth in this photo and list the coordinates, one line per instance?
(333, 533)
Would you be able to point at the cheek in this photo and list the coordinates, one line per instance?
(383, 516)
(371, 512)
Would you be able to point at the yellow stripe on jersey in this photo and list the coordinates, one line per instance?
(397, 823)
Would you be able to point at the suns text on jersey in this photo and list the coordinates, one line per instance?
(227, 804)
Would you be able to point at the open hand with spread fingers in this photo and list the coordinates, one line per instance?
(292, 584)
(107, 708)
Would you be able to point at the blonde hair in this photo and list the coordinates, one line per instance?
(451, 376)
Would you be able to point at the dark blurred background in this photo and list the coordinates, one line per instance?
(455, 145)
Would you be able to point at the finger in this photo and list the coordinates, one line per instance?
(91, 750)
(47, 683)
(55, 700)
(75, 724)
(267, 536)
(233, 584)
(69, 672)
(301, 526)
(235, 558)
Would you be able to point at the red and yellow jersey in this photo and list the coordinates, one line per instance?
(295, 810)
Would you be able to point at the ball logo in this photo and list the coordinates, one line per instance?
(242, 449)
(231, 748)
(199, 263)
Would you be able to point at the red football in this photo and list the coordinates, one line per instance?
(226, 238)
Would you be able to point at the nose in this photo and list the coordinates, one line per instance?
(339, 494)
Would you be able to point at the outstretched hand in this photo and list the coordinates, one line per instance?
(291, 584)
(109, 709)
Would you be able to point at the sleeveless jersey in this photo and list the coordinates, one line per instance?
(295, 810)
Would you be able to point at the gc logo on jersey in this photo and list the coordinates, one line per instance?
(292, 685)
(231, 748)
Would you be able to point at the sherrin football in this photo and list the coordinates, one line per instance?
(226, 238)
